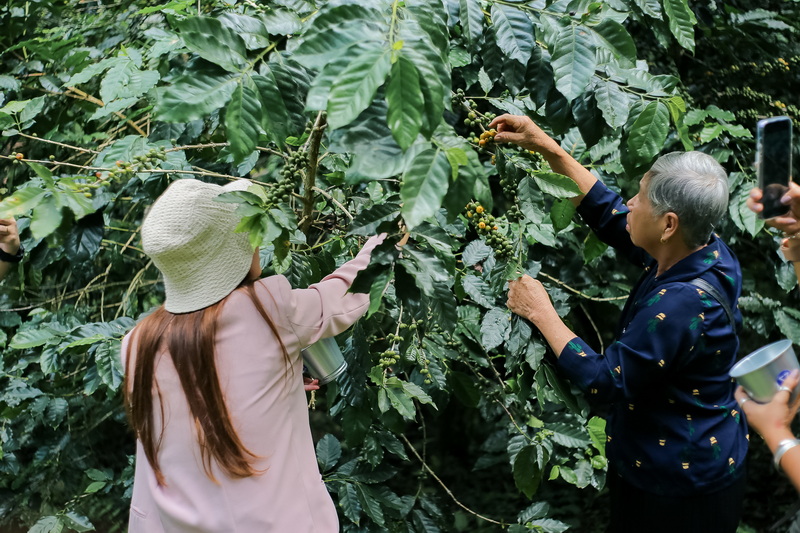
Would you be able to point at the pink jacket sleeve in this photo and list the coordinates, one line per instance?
(326, 308)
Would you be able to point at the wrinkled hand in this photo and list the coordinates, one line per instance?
(528, 298)
(522, 131)
(772, 420)
(789, 223)
(310, 384)
(9, 235)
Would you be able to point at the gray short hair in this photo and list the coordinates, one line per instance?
(694, 186)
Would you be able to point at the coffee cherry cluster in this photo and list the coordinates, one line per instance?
(485, 225)
(411, 326)
(291, 173)
(388, 358)
(458, 98)
(420, 360)
(451, 342)
(510, 182)
(148, 161)
(475, 118)
(486, 138)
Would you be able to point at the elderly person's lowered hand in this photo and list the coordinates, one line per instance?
(522, 131)
(788, 223)
(528, 298)
(772, 420)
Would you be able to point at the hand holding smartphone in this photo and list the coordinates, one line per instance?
(774, 163)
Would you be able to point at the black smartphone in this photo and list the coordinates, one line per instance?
(774, 163)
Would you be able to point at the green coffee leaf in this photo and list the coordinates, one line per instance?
(513, 31)
(212, 41)
(471, 21)
(553, 184)
(613, 37)
(77, 522)
(404, 96)
(46, 217)
(681, 22)
(527, 474)
(573, 61)
(648, 133)
(495, 328)
(21, 201)
(194, 96)
(561, 214)
(47, 524)
(348, 502)
(353, 90)
(243, 122)
(612, 102)
(328, 452)
(477, 289)
(424, 186)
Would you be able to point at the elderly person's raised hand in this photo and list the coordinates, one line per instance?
(788, 223)
(522, 131)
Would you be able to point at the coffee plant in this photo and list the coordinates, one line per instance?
(353, 117)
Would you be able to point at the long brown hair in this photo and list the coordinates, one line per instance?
(189, 339)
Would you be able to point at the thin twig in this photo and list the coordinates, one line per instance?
(196, 147)
(334, 201)
(447, 490)
(135, 284)
(594, 326)
(78, 148)
(582, 294)
(89, 98)
(74, 294)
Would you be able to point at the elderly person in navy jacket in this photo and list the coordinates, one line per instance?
(676, 439)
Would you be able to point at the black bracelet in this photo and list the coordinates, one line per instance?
(16, 258)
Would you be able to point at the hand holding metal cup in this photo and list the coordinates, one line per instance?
(763, 372)
(324, 360)
(772, 420)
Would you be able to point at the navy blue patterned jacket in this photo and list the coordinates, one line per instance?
(674, 427)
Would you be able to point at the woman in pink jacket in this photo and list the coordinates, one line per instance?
(213, 378)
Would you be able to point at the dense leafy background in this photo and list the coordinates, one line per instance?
(357, 117)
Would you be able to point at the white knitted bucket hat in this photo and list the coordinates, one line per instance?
(190, 238)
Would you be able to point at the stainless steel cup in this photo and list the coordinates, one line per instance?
(764, 370)
(324, 360)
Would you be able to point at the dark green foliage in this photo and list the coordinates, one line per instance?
(356, 117)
